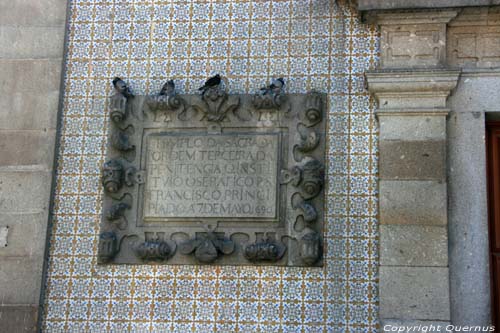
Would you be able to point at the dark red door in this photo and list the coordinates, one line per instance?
(493, 160)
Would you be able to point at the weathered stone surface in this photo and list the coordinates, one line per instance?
(412, 202)
(414, 293)
(18, 275)
(24, 191)
(25, 234)
(416, 160)
(29, 111)
(421, 326)
(31, 42)
(29, 76)
(42, 13)
(27, 147)
(431, 4)
(468, 214)
(476, 92)
(413, 245)
(413, 128)
(18, 318)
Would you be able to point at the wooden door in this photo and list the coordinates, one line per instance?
(493, 165)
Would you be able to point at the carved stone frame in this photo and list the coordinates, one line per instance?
(292, 237)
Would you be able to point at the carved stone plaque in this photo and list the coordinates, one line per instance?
(214, 178)
(223, 176)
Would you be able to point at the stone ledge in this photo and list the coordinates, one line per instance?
(365, 5)
(412, 90)
(435, 81)
(420, 17)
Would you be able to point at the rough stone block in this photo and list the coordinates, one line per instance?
(24, 191)
(29, 76)
(412, 202)
(18, 318)
(31, 42)
(412, 128)
(417, 160)
(33, 13)
(21, 280)
(29, 111)
(414, 293)
(413, 245)
(26, 235)
(27, 148)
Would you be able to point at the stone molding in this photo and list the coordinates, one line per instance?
(364, 5)
(412, 92)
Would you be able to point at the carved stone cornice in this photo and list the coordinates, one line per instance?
(412, 90)
(368, 5)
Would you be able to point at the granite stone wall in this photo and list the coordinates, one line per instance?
(31, 52)
(313, 44)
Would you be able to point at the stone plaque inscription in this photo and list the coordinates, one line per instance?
(221, 176)
(214, 178)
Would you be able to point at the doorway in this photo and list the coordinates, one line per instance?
(493, 173)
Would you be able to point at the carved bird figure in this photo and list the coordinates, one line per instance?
(168, 88)
(122, 87)
(211, 82)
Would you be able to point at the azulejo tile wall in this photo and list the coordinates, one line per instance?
(313, 44)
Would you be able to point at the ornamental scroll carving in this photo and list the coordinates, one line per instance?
(214, 177)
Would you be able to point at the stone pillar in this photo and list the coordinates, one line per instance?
(31, 51)
(411, 88)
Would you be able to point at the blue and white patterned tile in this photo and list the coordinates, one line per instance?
(314, 45)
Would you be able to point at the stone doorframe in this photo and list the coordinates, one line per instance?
(434, 266)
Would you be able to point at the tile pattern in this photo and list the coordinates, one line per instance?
(313, 44)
